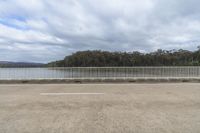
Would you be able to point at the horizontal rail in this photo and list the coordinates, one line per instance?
(105, 67)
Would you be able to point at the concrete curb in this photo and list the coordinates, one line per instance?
(122, 80)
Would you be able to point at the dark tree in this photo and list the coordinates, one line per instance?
(108, 59)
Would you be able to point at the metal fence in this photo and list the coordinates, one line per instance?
(99, 73)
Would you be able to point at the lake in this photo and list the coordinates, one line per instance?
(94, 72)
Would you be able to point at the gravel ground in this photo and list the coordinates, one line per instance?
(99, 108)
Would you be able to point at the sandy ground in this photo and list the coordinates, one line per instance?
(122, 108)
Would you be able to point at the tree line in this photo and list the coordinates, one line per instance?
(98, 58)
(6, 64)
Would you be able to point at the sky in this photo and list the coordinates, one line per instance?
(48, 30)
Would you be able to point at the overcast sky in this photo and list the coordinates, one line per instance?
(47, 30)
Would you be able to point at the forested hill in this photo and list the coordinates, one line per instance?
(104, 58)
(20, 64)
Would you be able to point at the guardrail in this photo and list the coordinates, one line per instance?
(98, 73)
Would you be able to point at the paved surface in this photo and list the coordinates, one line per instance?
(110, 108)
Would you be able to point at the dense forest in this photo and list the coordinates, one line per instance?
(104, 58)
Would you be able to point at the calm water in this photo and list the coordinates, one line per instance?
(34, 73)
(52, 73)
(61, 73)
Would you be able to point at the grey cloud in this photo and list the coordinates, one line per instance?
(52, 29)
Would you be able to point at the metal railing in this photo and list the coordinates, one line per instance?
(99, 73)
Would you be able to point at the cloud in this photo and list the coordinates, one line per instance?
(46, 30)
